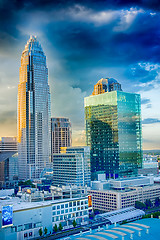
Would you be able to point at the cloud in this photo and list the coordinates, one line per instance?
(150, 121)
(145, 101)
(149, 106)
(8, 116)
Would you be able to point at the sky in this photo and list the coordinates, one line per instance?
(83, 42)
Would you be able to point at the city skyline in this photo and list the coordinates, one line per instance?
(84, 42)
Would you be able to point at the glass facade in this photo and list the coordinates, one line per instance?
(33, 112)
(113, 132)
(61, 134)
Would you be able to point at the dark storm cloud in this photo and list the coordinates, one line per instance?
(47, 4)
(150, 120)
(83, 46)
(81, 43)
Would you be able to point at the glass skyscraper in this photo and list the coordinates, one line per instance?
(33, 112)
(61, 134)
(113, 132)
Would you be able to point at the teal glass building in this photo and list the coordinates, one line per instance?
(113, 132)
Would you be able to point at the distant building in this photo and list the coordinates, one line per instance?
(72, 167)
(149, 165)
(8, 162)
(113, 130)
(61, 134)
(8, 144)
(121, 193)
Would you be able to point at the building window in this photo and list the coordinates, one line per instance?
(25, 235)
(27, 226)
(20, 228)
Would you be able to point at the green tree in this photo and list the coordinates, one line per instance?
(45, 230)
(148, 203)
(40, 232)
(74, 223)
(55, 228)
(140, 205)
(60, 227)
(157, 202)
(26, 183)
(124, 222)
(156, 214)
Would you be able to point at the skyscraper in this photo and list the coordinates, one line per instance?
(61, 134)
(113, 130)
(33, 111)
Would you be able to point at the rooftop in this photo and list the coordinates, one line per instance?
(143, 229)
(18, 204)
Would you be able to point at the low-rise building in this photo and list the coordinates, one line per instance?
(141, 229)
(8, 162)
(149, 165)
(28, 217)
(119, 216)
(121, 193)
(72, 167)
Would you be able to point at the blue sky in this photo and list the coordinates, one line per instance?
(84, 41)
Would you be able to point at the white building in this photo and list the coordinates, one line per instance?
(121, 193)
(29, 217)
(72, 167)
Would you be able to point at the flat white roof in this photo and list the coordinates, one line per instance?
(18, 204)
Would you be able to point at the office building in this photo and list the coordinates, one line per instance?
(8, 144)
(122, 193)
(8, 162)
(33, 112)
(61, 134)
(26, 218)
(113, 130)
(72, 167)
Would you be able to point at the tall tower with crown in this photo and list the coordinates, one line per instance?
(33, 112)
